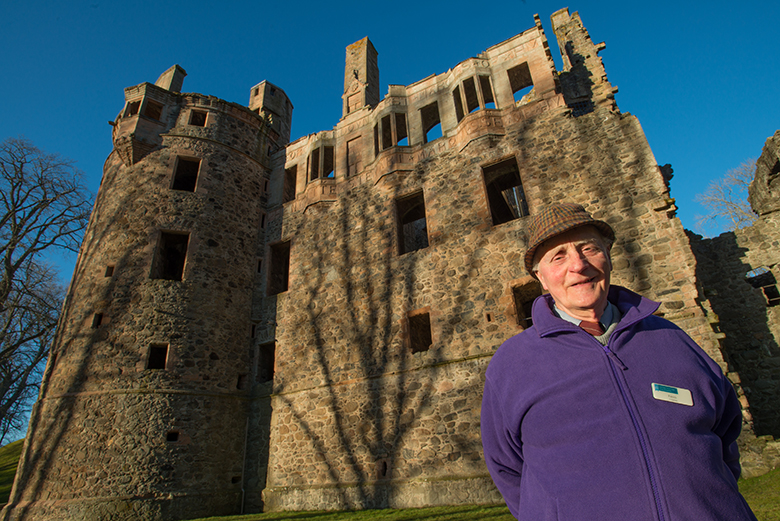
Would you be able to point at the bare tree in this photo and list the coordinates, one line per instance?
(43, 207)
(726, 199)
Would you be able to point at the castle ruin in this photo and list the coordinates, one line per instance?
(257, 324)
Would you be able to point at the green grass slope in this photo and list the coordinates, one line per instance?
(9, 459)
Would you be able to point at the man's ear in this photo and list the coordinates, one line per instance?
(541, 280)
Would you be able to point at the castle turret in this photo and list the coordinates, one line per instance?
(143, 410)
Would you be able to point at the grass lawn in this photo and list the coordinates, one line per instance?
(762, 493)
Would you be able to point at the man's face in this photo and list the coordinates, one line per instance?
(574, 267)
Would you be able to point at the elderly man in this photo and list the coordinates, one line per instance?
(601, 410)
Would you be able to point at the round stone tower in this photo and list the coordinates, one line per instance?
(143, 409)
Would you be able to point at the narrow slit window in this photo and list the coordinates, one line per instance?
(185, 177)
(487, 92)
(470, 92)
(387, 133)
(97, 320)
(521, 82)
(420, 338)
(401, 134)
(109, 270)
(266, 362)
(290, 179)
(328, 162)
(198, 118)
(505, 192)
(262, 220)
(314, 165)
(524, 297)
(132, 108)
(413, 227)
(153, 110)
(376, 139)
(280, 268)
(158, 356)
(172, 436)
(458, 103)
(241, 382)
(171, 256)
(431, 122)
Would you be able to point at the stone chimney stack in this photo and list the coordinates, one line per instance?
(361, 77)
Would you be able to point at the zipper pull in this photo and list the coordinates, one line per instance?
(616, 358)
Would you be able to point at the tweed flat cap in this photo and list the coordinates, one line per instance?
(555, 220)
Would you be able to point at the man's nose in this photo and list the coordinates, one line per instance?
(578, 262)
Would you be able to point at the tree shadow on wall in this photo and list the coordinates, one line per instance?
(355, 311)
(744, 316)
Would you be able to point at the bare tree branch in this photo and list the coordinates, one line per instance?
(726, 199)
(43, 207)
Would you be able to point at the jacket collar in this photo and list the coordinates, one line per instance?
(633, 308)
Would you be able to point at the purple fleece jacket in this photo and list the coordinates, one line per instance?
(571, 430)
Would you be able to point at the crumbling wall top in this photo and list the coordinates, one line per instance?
(764, 190)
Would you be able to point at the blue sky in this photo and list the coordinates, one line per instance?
(702, 78)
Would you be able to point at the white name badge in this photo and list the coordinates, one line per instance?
(668, 393)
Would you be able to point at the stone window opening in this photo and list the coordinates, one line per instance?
(97, 319)
(132, 108)
(266, 362)
(171, 256)
(431, 122)
(262, 220)
(392, 130)
(412, 224)
(473, 98)
(290, 179)
(321, 163)
(523, 297)
(265, 186)
(198, 118)
(505, 193)
(470, 95)
(172, 436)
(382, 468)
(279, 277)
(521, 82)
(762, 278)
(153, 110)
(235, 479)
(401, 132)
(456, 97)
(259, 264)
(387, 132)
(485, 88)
(419, 327)
(241, 382)
(109, 271)
(157, 358)
(185, 176)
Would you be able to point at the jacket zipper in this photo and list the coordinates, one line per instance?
(613, 360)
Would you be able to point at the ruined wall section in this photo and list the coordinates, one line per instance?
(739, 271)
(388, 425)
(143, 409)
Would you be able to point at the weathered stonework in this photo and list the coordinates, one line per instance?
(324, 344)
(739, 272)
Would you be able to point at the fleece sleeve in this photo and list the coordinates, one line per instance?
(729, 427)
(502, 449)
